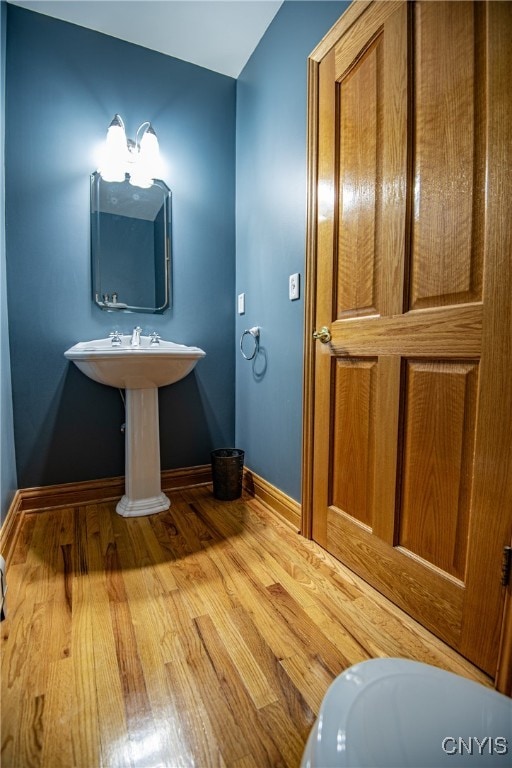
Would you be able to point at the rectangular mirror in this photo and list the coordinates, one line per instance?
(130, 251)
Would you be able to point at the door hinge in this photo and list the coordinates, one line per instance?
(506, 566)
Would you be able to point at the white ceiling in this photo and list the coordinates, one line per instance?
(217, 34)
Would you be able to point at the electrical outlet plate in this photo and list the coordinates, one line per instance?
(294, 287)
(241, 303)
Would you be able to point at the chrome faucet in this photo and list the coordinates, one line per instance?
(136, 336)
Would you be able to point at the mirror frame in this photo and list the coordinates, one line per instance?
(98, 296)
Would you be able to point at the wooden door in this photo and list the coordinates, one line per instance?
(408, 459)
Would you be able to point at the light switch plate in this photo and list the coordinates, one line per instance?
(241, 303)
(294, 286)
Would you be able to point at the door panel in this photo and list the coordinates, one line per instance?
(411, 464)
(360, 150)
(449, 71)
(353, 440)
(438, 443)
(370, 154)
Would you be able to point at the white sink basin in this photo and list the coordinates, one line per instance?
(127, 367)
(140, 371)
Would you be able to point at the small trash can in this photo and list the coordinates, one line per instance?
(227, 473)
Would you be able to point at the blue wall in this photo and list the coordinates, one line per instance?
(8, 481)
(270, 245)
(63, 85)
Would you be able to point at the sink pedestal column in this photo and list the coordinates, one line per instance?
(143, 492)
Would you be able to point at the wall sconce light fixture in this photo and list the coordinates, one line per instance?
(140, 159)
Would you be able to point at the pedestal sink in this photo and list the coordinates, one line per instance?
(139, 370)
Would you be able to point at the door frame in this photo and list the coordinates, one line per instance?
(503, 678)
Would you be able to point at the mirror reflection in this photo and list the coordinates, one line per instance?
(130, 245)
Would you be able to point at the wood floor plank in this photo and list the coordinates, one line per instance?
(274, 720)
(205, 636)
(57, 718)
(259, 687)
(157, 615)
(160, 573)
(40, 642)
(229, 737)
(44, 552)
(113, 731)
(196, 742)
(84, 725)
(182, 625)
(310, 676)
(307, 632)
(31, 730)
(289, 696)
(232, 688)
(247, 761)
(141, 581)
(16, 632)
(106, 516)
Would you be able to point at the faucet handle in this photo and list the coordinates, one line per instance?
(116, 338)
(154, 339)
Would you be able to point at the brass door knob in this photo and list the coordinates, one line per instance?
(323, 335)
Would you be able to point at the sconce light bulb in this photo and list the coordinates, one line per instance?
(149, 141)
(116, 148)
(146, 167)
(149, 157)
(116, 140)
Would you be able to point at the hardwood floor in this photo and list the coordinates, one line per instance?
(202, 636)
